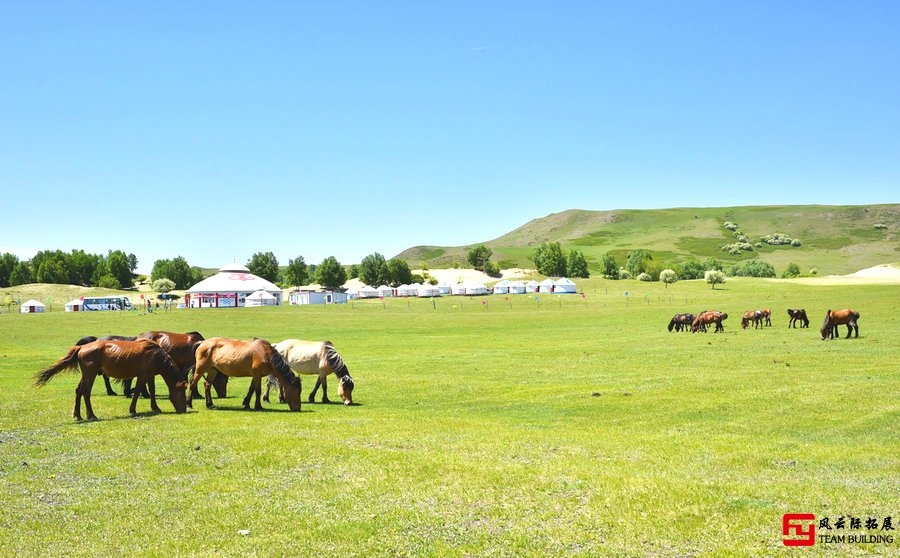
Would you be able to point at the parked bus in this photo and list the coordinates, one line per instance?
(106, 303)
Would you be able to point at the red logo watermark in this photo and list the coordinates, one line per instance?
(792, 525)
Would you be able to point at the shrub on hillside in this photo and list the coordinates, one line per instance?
(793, 270)
(777, 239)
(730, 226)
(795, 243)
(880, 226)
(714, 277)
(691, 269)
(813, 271)
(624, 273)
(752, 268)
(645, 277)
(668, 276)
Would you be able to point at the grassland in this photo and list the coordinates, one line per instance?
(478, 432)
(835, 239)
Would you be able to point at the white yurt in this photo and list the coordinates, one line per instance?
(367, 292)
(229, 288)
(385, 292)
(476, 289)
(32, 307)
(444, 287)
(458, 289)
(76, 305)
(501, 287)
(317, 297)
(408, 290)
(531, 286)
(564, 286)
(428, 291)
(516, 287)
(260, 298)
(546, 286)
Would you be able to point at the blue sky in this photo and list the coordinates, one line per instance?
(216, 130)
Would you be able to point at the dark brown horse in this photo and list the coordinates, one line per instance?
(256, 359)
(708, 317)
(681, 322)
(798, 315)
(834, 318)
(767, 314)
(755, 316)
(141, 359)
(181, 348)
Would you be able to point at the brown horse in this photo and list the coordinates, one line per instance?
(681, 322)
(798, 315)
(708, 317)
(141, 359)
(241, 359)
(755, 316)
(767, 314)
(91, 339)
(834, 318)
(181, 348)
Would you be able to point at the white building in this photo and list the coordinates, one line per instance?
(458, 289)
(317, 297)
(476, 289)
(385, 292)
(260, 298)
(229, 288)
(444, 287)
(76, 305)
(428, 291)
(367, 292)
(501, 287)
(531, 286)
(516, 287)
(32, 307)
(546, 286)
(564, 286)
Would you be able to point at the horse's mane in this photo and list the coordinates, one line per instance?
(281, 366)
(334, 360)
(197, 333)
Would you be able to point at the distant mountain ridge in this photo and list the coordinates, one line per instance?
(834, 239)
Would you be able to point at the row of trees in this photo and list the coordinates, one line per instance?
(640, 264)
(115, 270)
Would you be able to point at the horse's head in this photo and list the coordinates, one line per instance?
(178, 398)
(292, 393)
(825, 330)
(745, 322)
(345, 389)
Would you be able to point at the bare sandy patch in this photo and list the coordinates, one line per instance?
(884, 274)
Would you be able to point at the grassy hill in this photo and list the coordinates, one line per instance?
(835, 239)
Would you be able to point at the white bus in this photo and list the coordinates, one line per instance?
(106, 303)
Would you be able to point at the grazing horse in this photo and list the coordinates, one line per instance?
(681, 322)
(798, 315)
(708, 317)
(756, 316)
(141, 359)
(181, 347)
(834, 318)
(91, 339)
(240, 359)
(767, 314)
(319, 358)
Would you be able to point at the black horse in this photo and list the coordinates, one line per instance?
(127, 383)
(681, 322)
(798, 315)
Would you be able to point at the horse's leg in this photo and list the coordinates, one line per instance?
(256, 385)
(324, 379)
(135, 395)
(78, 391)
(249, 394)
(281, 398)
(109, 389)
(126, 385)
(87, 382)
(153, 406)
(199, 369)
(210, 376)
(312, 394)
(268, 388)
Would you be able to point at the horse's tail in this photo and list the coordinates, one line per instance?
(68, 362)
(282, 367)
(335, 361)
(671, 324)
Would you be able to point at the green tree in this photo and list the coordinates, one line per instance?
(81, 267)
(176, 270)
(331, 274)
(399, 272)
(492, 269)
(637, 261)
(549, 259)
(793, 270)
(296, 273)
(692, 269)
(373, 270)
(118, 264)
(609, 267)
(163, 285)
(577, 266)
(479, 255)
(21, 275)
(752, 268)
(668, 276)
(7, 264)
(265, 265)
(712, 263)
(109, 281)
(714, 277)
(52, 271)
(354, 271)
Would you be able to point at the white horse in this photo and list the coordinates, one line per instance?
(315, 358)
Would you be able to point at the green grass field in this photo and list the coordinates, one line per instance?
(477, 432)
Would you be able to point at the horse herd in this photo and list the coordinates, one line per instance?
(173, 355)
(763, 317)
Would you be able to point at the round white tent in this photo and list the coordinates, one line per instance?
(385, 292)
(516, 287)
(428, 291)
(229, 288)
(564, 286)
(76, 305)
(476, 289)
(260, 298)
(458, 289)
(501, 287)
(546, 286)
(367, 292)
(32, 307)
(531, 286)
